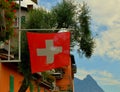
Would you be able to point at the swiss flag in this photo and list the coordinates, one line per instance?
(48, 50)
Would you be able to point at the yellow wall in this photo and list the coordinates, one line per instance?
(5, 73)
(67, 79)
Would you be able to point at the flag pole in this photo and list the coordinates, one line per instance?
(19, 30)
(43, 29)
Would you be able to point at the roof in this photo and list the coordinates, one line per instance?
(24, 3)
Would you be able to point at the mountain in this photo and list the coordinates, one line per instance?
(88, 84)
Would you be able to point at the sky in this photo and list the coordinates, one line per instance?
(104, 64)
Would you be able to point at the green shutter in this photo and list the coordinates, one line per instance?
(31, 87)
(11, 83)
(23, 20)
(38, 88)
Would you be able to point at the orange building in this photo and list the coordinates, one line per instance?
(11, 79)
(65, 77)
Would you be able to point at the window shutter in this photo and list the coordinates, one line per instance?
(31, 87)
(11, 83)
(38, 88)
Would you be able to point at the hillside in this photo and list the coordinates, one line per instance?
(88, 84)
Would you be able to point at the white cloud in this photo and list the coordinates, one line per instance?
(102, 77)
(81, 73)
(107, 81)
(106, 74)
(103, 11)
(109, 44)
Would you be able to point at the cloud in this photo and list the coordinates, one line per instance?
(107, 81)
(108, 44)
(105, 74)
(104, 12)
(81, 73)
(102, 77)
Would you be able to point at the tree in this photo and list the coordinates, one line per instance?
(40, 18)
(24, 65)
(63, 15)
(86, 43)
(66, 16)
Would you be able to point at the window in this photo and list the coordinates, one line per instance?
(16, 21)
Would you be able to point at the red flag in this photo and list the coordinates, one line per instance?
(48, 50)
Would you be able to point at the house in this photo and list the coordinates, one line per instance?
(11, 79)
(21, 14)
(26, 5)
(65, 77)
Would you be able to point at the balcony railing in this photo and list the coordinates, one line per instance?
(58, 74)
(46, 84)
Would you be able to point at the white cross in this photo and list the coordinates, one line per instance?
(49, 51)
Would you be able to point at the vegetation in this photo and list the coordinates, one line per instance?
(7, 15)
(63, 15)
(40, 18)
(86, 43)
(24, 65)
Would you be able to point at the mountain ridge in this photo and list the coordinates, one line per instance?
(88, 84)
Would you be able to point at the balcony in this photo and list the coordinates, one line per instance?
(46, 84)
(44, 80)
(74, 68)
(58, 74)
(4, 55)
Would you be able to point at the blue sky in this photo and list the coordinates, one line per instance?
(48, 3)
(104, 65)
